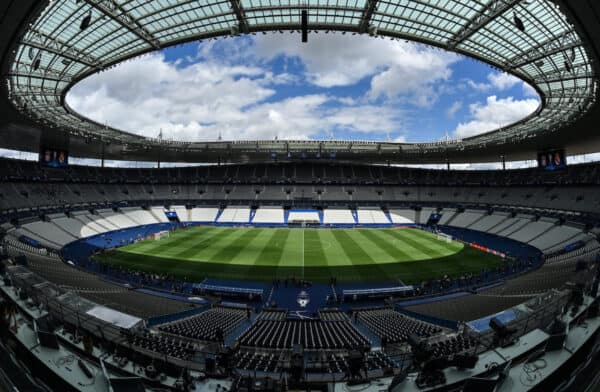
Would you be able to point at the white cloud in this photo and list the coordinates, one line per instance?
(502, 81)
(455, 107)
(203, 100)
(493, 114)
(398, 68)
(480, 87)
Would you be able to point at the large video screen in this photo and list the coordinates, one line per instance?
(51, 157)
(552, 160)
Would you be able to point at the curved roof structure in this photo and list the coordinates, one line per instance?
(67, 40)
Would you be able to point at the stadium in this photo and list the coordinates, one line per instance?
(241, 262)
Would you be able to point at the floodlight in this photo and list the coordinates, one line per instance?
(85, 22)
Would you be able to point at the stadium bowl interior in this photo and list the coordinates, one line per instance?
(298, 264)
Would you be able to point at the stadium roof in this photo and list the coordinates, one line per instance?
(67, 40)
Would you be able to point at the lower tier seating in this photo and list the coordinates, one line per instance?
(208, 325)
(393, 326)
(335, 333)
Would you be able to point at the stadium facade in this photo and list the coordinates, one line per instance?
(88, 302)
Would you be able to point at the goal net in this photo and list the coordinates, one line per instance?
(161, 234)
(444, 237)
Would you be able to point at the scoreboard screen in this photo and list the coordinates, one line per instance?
(51, 157)
(552, 160)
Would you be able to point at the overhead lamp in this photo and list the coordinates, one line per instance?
(518, 23)
(85, 22)
(37, 62)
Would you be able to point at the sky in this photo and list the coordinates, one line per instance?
(273, 86)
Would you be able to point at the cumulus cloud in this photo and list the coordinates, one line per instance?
(397, 68)
(204, 100)
(493, 114)
(455, 107)
(502, 81)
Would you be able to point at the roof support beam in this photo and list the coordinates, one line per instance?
(564, 76)
(236, 6)
(26, 68)
(54, 45)
(490, 12)
(552, 46)
(36, 76)
(113, 10)
(365, 20)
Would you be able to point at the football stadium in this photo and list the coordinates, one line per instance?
(251, 195)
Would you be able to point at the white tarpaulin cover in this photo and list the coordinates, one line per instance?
(114, 317)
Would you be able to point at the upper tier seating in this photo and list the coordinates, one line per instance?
(36, 194)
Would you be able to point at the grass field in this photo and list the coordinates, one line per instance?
(410, 255)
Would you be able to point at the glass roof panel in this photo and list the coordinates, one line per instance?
(58, 50)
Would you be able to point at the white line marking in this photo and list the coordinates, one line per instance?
(302, 253)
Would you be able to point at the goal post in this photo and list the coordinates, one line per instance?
(444, 237)
(161, 234)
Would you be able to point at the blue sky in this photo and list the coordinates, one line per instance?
(267, 86)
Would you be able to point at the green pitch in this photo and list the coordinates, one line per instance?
(410, 255)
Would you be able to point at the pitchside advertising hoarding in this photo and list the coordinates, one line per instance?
(552, 160)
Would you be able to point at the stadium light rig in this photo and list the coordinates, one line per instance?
(304, 24)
